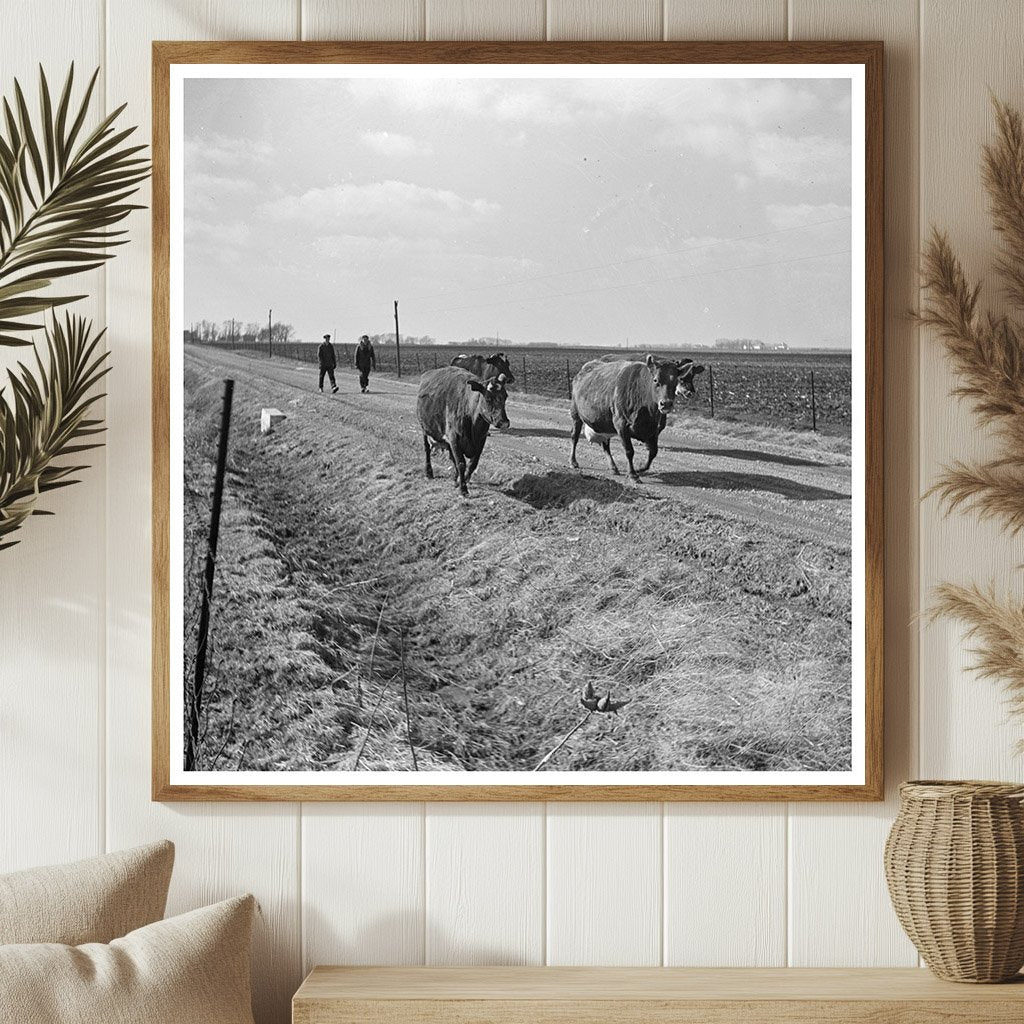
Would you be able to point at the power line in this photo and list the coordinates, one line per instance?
(626, 262)
(638, 284)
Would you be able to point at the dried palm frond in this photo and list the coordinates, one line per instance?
(62, 191)
(1003, 177)
(997, 628)
(987, 356)
(992, 490)
(985, 351)
(46, 419)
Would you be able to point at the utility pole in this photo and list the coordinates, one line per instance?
(270, 333)
(398, 342)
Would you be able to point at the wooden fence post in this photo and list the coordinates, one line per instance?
(814, 407)
(195, 707)
(524, 371)
(568, 378)
(711, 388)
(398, 343)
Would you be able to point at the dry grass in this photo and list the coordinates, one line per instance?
(731, 645)
(997, 629)
(987, 355)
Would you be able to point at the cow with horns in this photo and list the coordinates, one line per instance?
(456, 409)
(628, 400)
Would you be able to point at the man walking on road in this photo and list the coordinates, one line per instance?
(328, 362)
(364, 359)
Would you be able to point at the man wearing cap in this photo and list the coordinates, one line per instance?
(328, 362)
(364, 359)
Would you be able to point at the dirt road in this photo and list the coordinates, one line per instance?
(714, 597)
(785, 482)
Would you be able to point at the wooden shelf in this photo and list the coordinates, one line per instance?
(630, 995)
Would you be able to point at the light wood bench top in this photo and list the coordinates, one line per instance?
(345, 995)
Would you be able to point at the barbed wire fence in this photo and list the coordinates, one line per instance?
(796, 395)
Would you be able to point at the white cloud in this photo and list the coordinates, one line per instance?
(392, 144)
(210, 148)
(717, 140)
(498, 100)
(768, 155)
(811, 158)
(381, 209)
(218, 241)
(211, 194)
(781, 215)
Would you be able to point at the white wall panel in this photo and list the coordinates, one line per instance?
(604, 19)
(725, 19)
(485, 883)
(835, 852)
(363, 19)
(604, 884)
(966, 50)
(725, 885)
(485, 19)
(222, 848)
(362, 884)
(52, 582)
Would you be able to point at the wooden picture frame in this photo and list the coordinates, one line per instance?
(168, 785)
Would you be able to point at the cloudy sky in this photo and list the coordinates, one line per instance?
(585, 211)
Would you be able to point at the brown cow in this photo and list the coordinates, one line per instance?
(456, 410)
(629, 400)
(486, 367)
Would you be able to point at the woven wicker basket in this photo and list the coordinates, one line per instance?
(954, 862)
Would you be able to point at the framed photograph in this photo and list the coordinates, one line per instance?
(517, 421)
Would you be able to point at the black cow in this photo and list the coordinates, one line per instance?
(486, 367)
(628, 400)
(456, 409)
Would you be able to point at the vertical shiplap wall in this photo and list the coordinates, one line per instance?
(964, 728)
(750, 884)
(53, 584)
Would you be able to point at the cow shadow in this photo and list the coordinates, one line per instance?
(728, 481)
(564, 432)
(561, 488)
(747, 455)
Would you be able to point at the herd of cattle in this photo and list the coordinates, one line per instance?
(458, 404)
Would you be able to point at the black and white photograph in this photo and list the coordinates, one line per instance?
(517, 425)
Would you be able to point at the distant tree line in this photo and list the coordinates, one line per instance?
(407, 339)
(235, 332)
(251, 335)
(494, 342)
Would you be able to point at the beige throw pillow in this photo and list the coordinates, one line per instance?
(191, 969)
(93, 900)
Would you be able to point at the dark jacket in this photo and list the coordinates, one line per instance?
(325, 353)
(365, 357)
